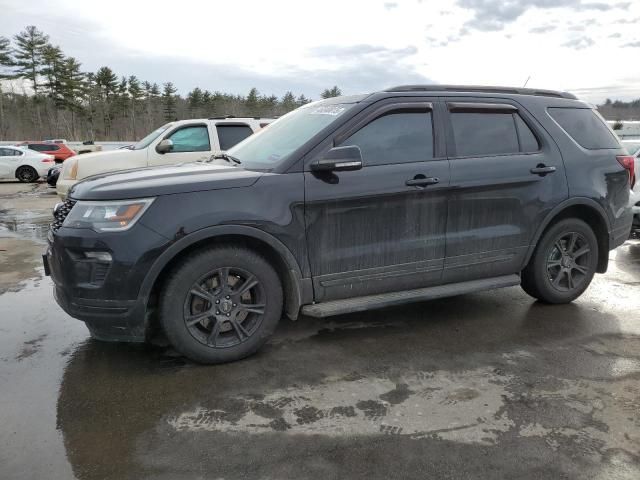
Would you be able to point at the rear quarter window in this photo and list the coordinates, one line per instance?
(585, 127)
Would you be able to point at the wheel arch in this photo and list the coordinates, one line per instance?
(297, 290)
(591, 213)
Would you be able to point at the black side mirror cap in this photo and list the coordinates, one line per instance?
(339, 159)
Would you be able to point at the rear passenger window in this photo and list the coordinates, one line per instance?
(398, 137)
(229, 135)
(479, 133)
(585, 126)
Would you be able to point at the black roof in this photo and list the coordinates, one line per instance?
(481, 89)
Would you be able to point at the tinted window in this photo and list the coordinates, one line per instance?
(6, 152)
(191, 139)
(585, 126)
(479, 133)
(230, 135)
(39, 147)
(52, 148)
(395, 138)
(528, 141)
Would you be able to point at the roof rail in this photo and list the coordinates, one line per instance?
(481, 89)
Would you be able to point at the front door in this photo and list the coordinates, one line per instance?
(381, 228)
(190, 144)
(507, 174)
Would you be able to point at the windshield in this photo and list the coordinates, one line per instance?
(146, 141)
(274, 143)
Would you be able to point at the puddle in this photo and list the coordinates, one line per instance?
(28, 225)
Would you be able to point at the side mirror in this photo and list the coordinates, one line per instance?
(165, 146)
(339, 159)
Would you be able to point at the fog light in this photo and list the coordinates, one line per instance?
(104, 257)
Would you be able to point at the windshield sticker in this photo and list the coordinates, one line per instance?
(333, 110)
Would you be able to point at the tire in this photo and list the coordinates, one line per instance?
(27, 174)
(222, 321)
(563, 263)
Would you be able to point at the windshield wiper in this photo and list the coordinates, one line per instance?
(227, 157)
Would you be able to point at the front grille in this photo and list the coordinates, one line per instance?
(61, 213)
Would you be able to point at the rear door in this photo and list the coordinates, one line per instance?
(381, 228)
(230, 134)
(506, 175)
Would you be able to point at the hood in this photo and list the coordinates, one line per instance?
(164, 180)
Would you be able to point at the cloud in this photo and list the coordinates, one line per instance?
(543, 29)
(579, 43)
(627, 21)
(632, 44)
(353, 51)
(390, 5)
(615, 35)
(493, 15)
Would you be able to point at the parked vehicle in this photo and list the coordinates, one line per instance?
(52, 175)
(60, 151)
(88, 147)
(343, 205)
(175, 142)
(24, 164)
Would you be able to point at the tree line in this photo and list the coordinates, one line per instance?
(57, 99)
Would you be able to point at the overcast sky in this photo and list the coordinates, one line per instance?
(589, 47)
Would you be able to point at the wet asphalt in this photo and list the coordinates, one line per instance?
(490, 385)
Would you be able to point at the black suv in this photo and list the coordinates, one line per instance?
(347, 204)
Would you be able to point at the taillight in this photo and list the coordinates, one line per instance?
(629, 164)
(47, 160)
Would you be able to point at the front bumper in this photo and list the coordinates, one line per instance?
(104, 295)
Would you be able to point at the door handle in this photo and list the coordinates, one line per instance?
(421, 181)
(542, 170)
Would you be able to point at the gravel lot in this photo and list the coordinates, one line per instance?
(490, 385)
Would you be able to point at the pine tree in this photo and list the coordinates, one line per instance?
(288, 102)
(107, 82)
(6, 58)
(51, 70)
(169, 101)
(251, 102)
(30, 44)
(195, 101)
(6, 62)
(302, 100)
(331, 92)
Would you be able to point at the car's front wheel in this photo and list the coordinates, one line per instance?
(221, 304)
(563, 264)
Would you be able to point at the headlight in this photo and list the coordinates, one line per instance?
(116, 216)
(70, 169)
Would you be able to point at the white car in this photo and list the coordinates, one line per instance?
(176, 142)
(24, 164)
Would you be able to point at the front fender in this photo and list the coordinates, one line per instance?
(299, 288)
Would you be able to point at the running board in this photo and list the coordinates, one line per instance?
(359, 304)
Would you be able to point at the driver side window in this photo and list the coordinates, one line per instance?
(191, 139)
(400, 136)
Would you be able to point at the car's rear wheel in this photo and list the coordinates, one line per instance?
(27, 174)
(221, 304)
(563, 263)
